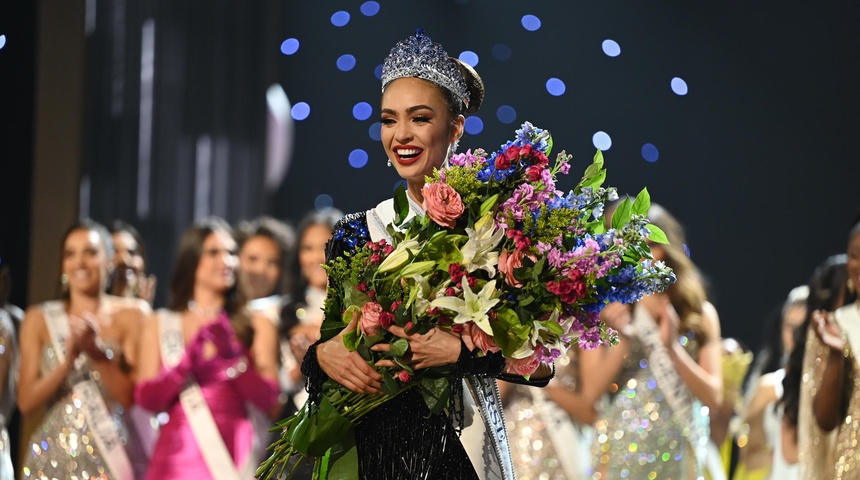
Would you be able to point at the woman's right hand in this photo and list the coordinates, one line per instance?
(81, 336)
(348, 368)
(827, 331)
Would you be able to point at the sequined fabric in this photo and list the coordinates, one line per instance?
(61, 447)
(637, 435)
(9, 356)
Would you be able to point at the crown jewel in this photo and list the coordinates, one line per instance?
(418, 56)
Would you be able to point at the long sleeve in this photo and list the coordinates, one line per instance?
(160, 392)
(259, 391)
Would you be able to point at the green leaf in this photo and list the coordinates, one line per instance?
(351, 340)
(418, 268)
(435, 392)
(343, 460)
(401, 205)
(553, 327)
(399, 347)
(353, 297)
(526, 301)
(594, 181)
(508, 333)
(389, 385)
(488, 205)
(642, 203)
(657, 235)
(548, 146)
(598, 158)
(622, 214)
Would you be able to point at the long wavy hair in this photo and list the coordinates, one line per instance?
(182, 277)
(283, 236)
(687, 294)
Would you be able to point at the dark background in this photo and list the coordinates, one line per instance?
(757, 160)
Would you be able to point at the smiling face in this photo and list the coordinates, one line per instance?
(416, 127)
(312, 254)
(216, 269)
(260, 265)
(85, 261)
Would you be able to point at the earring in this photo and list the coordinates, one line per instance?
(64, 282)
(389, 162)
(850, 284)
(452, 148)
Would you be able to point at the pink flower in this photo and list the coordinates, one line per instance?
(442, 203)
(481, 339)
(369, 322)
(404, 376)
(522, 366)
(508, 261)
(386, 319)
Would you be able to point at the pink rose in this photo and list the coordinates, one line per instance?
(442, 203)
(481, 339)
(369, 322)
(404, 376)
(508, 261)
(522, 366)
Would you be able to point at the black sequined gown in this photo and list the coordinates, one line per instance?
(401, 440)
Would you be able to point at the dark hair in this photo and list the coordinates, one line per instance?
(182, 277)
(93, 226)
(328, 217)
(118, 226)
(828, 290)
(283, 236)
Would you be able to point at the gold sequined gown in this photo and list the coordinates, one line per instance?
(61, 448)
(637, 435)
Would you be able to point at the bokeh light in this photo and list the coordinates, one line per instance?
(601, 141)
(555, 87)
(357, 158)
(397, 184)
(501, 52)
(679, 86)
(300, 111)
(323, 202)
(531, 22)
(377, 72)
(650, 153)
(611, 48)
(2, 41)
(506, 114)
(686, 249)
(374, 131)
(362, 111)
(470, 58)
(339, 19)
(346, 62)
(474, 125)
(369, 9)
(289, 46)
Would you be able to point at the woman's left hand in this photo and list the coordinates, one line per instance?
(436, 347)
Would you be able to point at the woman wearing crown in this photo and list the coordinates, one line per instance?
(425, 97)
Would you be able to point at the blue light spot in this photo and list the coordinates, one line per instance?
(506, 114)
(340, 18)
(531, 22)
(2, 41)
(357, 158)
(398, 183)
(643, 363)
(375, 131)
(470, 58)
(501, 52)
(474, 125)
(555, 87)
(369, 9)
(679, 86)
(362, 111)
(44, 445)
(611, 48)
(601, 141)
(345, 62)
(652, 384)
(289, 46)
(687, 249)
(377, 72)
(301, 111)
(323, 202)
(650, 153)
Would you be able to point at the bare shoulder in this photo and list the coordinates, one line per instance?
(262, 324)
(763, 395)
(34, 321)
(711, 320)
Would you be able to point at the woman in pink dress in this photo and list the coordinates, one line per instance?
(203, 360)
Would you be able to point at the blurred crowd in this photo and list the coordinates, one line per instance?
(123, 390)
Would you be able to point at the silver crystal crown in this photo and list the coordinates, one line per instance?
(418, 56)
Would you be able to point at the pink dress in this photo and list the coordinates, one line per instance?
(177, 454)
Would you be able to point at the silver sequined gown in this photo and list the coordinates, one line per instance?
(61, 448)
(637, 435)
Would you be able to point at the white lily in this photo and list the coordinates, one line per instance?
(478, 252)
(472, 307)
(535, 336)
(400, 255)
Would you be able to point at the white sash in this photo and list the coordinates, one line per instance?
(99, 420)
(487, 448)
(215, 453)
(848, 319)
(674, 390)
(565, 436)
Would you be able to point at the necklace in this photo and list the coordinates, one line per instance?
(205, 312)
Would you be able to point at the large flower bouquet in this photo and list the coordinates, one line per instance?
(501, 257)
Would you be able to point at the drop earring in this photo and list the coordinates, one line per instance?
(64, 282)
(389, 162)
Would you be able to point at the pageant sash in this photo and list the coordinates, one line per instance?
(674, 390)
(483, 433)
(848, 319)
(99, 419)
(563, 434)
(215, 453)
